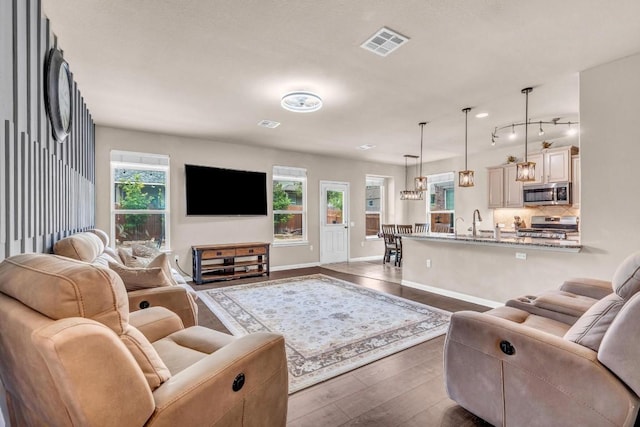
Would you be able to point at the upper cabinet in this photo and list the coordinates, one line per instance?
(553, 165)
(504, 190)
(496, 187)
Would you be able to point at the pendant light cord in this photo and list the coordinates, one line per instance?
(466, 116)
(526, 120)
(421, 136)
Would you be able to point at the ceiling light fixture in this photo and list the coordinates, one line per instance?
(554, 121)
(421, 181)
(409, 194)
(482, 115)
(465, 177)
(365, 147)
(301, 102)
(526, 170)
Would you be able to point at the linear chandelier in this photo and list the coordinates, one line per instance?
(409, 194)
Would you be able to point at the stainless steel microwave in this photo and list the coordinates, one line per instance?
(555, 193)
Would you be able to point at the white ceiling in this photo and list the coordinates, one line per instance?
(215, 68)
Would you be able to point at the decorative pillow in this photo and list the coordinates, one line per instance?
(104, 259)
(162, 261)
(131, 261)
(141, 278)
(591, 327)
(144, 251)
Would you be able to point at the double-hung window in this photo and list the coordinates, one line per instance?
(374, 205)
(289, 205)
(139, 199)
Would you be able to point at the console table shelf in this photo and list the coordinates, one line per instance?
(229, 261)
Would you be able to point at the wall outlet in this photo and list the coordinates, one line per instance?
(176, 258)
(428, 263)
(521, 255)
(362, 244)
(311, 248)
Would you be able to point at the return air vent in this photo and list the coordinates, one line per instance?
(268, 124)
(384, 42)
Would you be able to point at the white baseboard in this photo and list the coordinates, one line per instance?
(294, 266)
(452, 294)
(367, 258)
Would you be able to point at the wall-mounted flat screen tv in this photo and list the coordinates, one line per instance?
(225, 192)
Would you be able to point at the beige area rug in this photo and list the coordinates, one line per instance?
(330, 326)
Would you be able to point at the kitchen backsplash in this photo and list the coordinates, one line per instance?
(505, 216)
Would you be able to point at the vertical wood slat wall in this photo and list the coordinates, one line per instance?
(46, 187)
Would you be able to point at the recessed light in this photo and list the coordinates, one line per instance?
(365, 147)
(301, 102)
(482, 115)
(268, 124)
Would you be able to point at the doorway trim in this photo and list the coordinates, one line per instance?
(324, 185)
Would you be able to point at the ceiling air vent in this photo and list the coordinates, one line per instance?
(384, 42)
(268, 124)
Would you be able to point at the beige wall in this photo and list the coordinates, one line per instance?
(188, 231)
(610, 230)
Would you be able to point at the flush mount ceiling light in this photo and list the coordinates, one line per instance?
(365, 147)
(409, 194)
(384, 42)
(482, 115)
(301, 102)
(421, 181)
(465, 177)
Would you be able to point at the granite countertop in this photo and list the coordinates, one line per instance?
(507, 240)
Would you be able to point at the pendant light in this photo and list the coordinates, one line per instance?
(421, 181)
(409, 194)
(465, 177)
(526, 170)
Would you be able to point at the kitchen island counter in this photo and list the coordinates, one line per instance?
(508, 240)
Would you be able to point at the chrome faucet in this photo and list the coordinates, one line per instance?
(474, 232)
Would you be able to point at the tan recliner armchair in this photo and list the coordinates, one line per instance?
(70, 357)
(516, 368)
(90, 246)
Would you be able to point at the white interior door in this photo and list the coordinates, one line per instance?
(334, 222)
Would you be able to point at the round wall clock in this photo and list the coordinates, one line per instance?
(57, 84)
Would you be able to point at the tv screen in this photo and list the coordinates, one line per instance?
(217, 191)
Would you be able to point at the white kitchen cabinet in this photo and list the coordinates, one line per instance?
(575, 181)
(496, 186)
(553, 164)
(512, 188)
(504, 190)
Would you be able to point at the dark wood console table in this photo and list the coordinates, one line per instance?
(229, 261)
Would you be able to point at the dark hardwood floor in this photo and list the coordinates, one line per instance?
(404, 389)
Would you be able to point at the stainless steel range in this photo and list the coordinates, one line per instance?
(551, 227)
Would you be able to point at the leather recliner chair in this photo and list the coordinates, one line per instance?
(70, 356)
(90, 246)
(512, 367)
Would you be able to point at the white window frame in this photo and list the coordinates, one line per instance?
(372, 180)
(288, 173)
(140, 161)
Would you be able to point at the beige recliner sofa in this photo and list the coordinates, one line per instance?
(70, 356)
(92, 247)
(512, 367)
